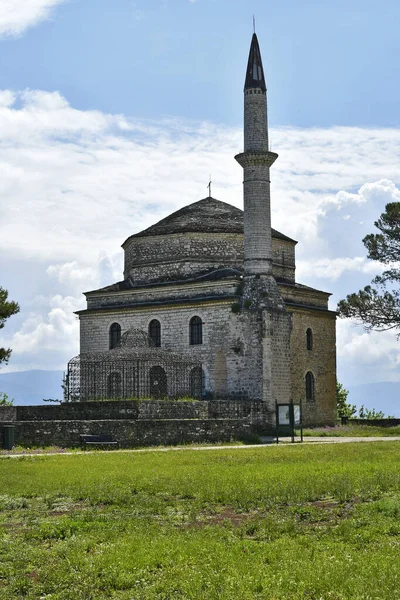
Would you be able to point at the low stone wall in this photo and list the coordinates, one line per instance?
(136, 423)
(112, 410)
(131, 433)
(375, 422)
(254, 411)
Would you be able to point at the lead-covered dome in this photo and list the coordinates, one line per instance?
(197, 239)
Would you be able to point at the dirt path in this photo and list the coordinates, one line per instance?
(267, 443)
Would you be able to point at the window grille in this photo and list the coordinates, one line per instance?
(114, 385)
(135, 369)
(158, 382)
(196, 382)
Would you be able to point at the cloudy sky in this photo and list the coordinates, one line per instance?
(112, 115)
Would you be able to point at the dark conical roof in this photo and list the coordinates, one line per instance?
(255, 72)
(205, 216)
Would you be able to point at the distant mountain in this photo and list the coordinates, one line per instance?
(30, 387)
(383, 396)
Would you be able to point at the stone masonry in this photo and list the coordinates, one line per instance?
(232, 270)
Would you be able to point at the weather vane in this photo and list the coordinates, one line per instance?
(209, 186)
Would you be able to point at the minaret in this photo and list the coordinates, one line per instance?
(263, 305)
(256, 161)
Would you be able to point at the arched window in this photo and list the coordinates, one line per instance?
(195, 331)
(114, 385)
(310, 386)
(158, 382)
(309, 336)
(155, 332)
(115, 335)
(196, 382)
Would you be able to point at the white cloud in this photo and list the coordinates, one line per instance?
(18, 15)
(334, 268)
(46, 338)
(366, 357)
(369, 192)
(76, 183)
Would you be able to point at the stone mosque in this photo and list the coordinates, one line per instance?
(215, 287)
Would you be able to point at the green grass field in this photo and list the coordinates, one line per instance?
(353, 431)
(288, 522)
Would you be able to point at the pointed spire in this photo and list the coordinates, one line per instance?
(255, 72)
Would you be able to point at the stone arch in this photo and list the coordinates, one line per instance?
(158, 382)
(196, 382)
(114, 385)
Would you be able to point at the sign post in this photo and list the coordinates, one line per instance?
(288, 418)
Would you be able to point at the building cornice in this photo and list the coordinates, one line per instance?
(168, 303)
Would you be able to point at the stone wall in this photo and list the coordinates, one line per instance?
(163, 294)
(375, 422)
(131, 433)
(178, 256)
(135, 423)
(235, 336)
(299, 294)
(283, 259)
(254, 411)
(320, 361)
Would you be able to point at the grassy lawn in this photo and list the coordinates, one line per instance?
(353, 431)
(288, 522)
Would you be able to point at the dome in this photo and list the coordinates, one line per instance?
(205, 216)
(136, 338)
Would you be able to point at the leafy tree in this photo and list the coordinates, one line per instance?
(344, 409)
(372, 413)
(7, 308)
(376, 306)
(5, 400)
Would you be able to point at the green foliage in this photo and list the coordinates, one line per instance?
(353, 430)
(376, 307)
(271, 522)
(370, 413)
(344, 409)
(5, 400)
(7, 309)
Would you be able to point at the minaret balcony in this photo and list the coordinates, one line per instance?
(251, 158)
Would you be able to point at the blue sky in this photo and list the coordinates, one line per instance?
(326, 63)
(112, 115)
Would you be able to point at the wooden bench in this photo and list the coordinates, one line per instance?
(98, 440)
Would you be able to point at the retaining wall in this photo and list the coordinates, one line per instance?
(135, 423)
(375, 422)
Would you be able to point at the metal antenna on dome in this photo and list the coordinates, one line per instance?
(209, 186)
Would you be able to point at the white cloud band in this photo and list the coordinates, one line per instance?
(18, 15)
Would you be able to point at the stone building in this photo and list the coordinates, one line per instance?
(217, 284)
